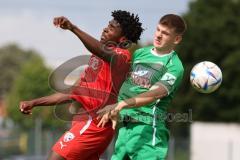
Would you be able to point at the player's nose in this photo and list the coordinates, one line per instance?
(158, 35)
(105, 29)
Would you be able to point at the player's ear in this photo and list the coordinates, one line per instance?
(178, 39)
(122, 39)
(124, 42)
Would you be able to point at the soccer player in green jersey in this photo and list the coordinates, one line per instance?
(145, 95)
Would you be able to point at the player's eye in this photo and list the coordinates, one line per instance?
(111, 27)
(166, 33)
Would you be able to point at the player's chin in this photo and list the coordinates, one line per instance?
(102, 41)
(157, 45)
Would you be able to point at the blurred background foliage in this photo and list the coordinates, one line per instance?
(25, 76)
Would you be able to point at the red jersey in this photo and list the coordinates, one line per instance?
(101, 81)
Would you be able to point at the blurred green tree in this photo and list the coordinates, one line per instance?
(31, 82)
(213, 35)
(12, 58)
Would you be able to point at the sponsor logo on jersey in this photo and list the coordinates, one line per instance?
(94, 63)
(142, 76)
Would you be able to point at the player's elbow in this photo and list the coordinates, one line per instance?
(159, 91)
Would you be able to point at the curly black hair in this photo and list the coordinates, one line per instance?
(131, 27)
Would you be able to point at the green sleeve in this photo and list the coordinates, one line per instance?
(135, 53)
(171, 80)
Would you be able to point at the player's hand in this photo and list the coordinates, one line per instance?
(114, 117)
(26, 107)
(63, 23)
(107, 109)
(110, 112)
(104, 119)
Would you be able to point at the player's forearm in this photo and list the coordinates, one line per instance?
(92, 44)
(135, 102)
(57, 98)
(143, 99)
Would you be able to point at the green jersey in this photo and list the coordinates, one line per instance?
(149, 68)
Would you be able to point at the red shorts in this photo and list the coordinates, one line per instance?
(84, 141)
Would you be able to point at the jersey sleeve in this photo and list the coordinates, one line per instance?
(172, 78)
(136, 53)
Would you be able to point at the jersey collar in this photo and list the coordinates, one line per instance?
(164, 55)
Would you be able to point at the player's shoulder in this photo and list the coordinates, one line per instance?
(144, 49)
(121, 51)
(176, 62)
(122, 54)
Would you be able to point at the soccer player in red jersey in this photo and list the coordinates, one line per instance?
(98, 86)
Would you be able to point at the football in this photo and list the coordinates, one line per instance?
(206, 77)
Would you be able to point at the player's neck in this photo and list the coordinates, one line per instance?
(162, 52)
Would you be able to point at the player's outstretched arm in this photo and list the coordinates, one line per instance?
(57, 98)
(157, 91)
(92, 44)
